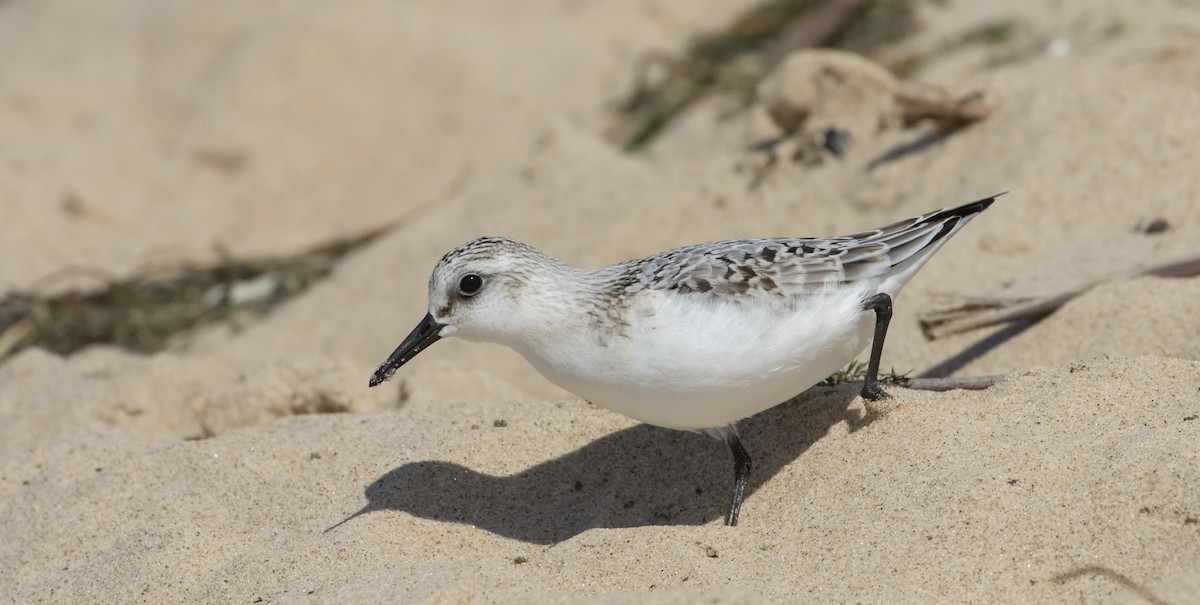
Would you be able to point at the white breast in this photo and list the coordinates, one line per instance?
(691, 362)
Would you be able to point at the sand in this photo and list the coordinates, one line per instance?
(251, 463)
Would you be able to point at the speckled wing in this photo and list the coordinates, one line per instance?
(781, 268)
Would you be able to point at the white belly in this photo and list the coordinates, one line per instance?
(686, 362)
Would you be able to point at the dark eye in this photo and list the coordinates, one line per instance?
(469, 284)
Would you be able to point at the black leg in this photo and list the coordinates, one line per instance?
(881, 304)
(741, 469)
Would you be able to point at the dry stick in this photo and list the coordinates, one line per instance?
(950, 383)
(973, 319)
(924, 103)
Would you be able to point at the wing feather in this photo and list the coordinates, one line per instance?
(787, 268)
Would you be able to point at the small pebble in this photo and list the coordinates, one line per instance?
(1154, 226)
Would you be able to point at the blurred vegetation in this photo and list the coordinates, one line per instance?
(856, 371)
(143, 314)
(735, 59)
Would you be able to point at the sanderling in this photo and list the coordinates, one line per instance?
(695, 338)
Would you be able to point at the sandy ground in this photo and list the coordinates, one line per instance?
(254, 465)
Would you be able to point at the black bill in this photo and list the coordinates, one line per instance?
(426, 333)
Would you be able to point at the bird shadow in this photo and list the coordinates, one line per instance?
(635, 477)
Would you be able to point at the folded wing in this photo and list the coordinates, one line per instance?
(881, 260)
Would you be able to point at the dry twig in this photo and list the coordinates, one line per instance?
(982, 313)
(950, 383)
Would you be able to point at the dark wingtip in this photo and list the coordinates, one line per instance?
(973, 207)
(953, 216)
(988, 201)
